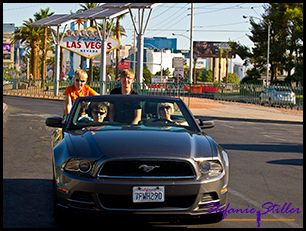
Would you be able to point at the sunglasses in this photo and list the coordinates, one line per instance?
(99, 112)
(164, 107)
(82, 81)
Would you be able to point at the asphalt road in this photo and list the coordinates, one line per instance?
(266, 169)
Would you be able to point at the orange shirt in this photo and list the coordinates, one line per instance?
(73, 93)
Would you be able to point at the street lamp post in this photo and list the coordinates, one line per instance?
(191, 51)
(268, 46)
(191, 43)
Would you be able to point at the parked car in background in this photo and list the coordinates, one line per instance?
(278, 95)
(163, 166)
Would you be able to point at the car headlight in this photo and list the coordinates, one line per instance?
(77, 165)
(210, 168)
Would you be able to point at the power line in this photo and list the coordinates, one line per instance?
(228, 24)
(219, 9)
(163, 11)
(23, 7)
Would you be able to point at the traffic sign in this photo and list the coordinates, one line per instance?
(178, 62)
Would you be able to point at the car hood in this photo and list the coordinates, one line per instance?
(96, 144)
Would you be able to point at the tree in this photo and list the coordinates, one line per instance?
(208, 76)
(251, 78)
(195, 59)
(220, 59)
(226, 66)
(243, 51)
(114, 31)
(199, 76)
(147, 75)
(286, 39)
(232, 78)
(31, 36)
(85, 7)
(40, 15)
(166, 72)
(120, 31)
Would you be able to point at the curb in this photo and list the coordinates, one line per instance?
(4, 107)
(252, 120)
(35, 96)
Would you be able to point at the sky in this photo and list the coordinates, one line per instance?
(212, 21)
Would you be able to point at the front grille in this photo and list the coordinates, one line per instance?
(133, 169)
(125, 202)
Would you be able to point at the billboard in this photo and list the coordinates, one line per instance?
(156, 79)
(6, 56)
(211, 49)
(6, 47)
(87, 43)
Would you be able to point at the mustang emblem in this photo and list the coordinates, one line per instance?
(147, 168)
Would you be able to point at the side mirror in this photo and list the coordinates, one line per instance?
(54, 122)
(206, 123)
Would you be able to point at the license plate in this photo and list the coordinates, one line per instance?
(148, 194)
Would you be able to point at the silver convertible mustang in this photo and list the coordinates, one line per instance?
(137, 155)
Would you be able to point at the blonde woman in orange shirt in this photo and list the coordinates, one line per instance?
(78, 89)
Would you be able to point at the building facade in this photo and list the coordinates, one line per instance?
(155, 58)
(160, 43)
(8, 49)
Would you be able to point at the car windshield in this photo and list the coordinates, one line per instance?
(140, 112)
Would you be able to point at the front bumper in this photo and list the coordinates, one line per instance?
(114, 196)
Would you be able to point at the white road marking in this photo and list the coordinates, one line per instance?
(275, 138)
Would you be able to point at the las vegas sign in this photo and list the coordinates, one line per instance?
(87, 42)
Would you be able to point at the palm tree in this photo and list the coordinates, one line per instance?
(40, 15)
(85, 7)
(120, 31)
(114, 31)
(31, 36)
(195, 59)
(220, 58)
(226, 71)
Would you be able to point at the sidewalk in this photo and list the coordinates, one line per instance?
(4, 107)
(220, 110)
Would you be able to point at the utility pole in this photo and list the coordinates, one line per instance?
(191, 44)
(161, 66)
(134, 48)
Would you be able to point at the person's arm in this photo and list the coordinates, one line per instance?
(68, 105)
(111, 112)
(137, 116)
